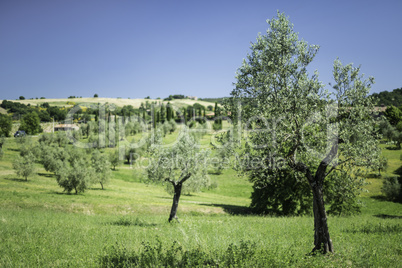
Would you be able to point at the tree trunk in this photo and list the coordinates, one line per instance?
(101, 185)
(322, 240)
(176, 198)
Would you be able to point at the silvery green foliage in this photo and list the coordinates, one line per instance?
(76, 176)
(291, 120)
(173, 163)
(24, 165)
(293, 116)
(101, 166)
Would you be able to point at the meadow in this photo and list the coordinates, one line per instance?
(126, 224)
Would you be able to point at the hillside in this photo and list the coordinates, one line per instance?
(117, 101)
(388, 98)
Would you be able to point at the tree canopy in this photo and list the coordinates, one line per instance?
(293, 123)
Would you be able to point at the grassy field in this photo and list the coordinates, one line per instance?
(117, 101)
(40, 226)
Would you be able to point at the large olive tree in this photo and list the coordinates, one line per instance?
(296, 124)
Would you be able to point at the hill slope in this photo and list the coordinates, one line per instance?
(117, 101)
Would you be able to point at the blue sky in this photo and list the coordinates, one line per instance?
(134, 49)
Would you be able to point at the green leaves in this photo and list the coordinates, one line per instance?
(24, 166)
(289, 116)
(176, 162)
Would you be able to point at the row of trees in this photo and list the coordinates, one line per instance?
(388, 98)
(45, 112)
(74, 169)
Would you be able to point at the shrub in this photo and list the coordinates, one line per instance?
(30, 122)
(5, 125)
(247, 254)
(392, 188)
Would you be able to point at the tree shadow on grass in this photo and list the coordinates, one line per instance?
(386, 216)
(97, 189)
(16, 179)
(392, 148)
(232, 209)
(130, 221)
(64, 193)
(372, 228)
(398, 171)
(373, 176)
(47, 175)
(379, 197)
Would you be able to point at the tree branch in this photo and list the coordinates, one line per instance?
(320, 173)
(169, 180)
(338, 164)
(184, 178)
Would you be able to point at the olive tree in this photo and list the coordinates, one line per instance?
(181, 164)
(24, 165)
(297, 124)
(77, 176)
(114, 159)
(101, 166)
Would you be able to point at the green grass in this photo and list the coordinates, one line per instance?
(42, 226)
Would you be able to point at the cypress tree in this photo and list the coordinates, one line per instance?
(168, 112)
(163, 113)
(153, 117)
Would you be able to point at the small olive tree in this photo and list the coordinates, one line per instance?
(181, 164)
(77, 176)
(101, 167)
(24, 165)
(114, 159)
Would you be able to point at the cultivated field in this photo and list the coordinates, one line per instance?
(41, 226)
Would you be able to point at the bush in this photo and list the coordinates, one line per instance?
(30, 122)
(5, 125)
(247, 254)
(392, 188)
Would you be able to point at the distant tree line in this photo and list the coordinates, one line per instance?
(387, 98)
(213, 100)
(44, 111)
(175, 97)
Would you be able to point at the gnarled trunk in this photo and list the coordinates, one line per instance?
(177, 192)
(322, 240)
